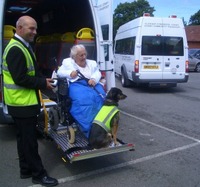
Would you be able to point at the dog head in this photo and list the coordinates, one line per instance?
(115, 94)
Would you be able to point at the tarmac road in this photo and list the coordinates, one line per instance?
(162, 123)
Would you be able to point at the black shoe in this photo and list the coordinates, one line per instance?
(25, 175)
(45, 181)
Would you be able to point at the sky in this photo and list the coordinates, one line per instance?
(164, 8)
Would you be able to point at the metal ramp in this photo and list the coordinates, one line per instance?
(80, 149)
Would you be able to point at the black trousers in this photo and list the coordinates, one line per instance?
(27, 147)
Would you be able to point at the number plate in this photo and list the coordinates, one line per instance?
(151, 67)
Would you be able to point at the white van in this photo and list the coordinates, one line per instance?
(153, 51)
(62, 23)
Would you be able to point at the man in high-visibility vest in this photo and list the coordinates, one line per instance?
(21, 81)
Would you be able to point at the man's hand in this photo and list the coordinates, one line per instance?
(49, 83)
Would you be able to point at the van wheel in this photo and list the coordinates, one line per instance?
(53, 118)
(124, 80)
(197, 68)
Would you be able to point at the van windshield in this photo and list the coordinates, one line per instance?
(159, 45)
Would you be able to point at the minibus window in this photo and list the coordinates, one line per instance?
(157, 46)
(173, 46)
(125, 46)
(105, 32)
(152, 45)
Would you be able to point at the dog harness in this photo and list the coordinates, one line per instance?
(104, 117)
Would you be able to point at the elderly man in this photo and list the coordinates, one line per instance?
(87, 96)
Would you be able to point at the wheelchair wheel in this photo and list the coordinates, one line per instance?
(71, 135)
(53, 118)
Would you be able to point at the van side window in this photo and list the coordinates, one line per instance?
(157, 45)
(125, 46)
(105, 32)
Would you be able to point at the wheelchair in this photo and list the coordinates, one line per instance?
(59, 114)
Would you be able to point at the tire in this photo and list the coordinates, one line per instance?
(124, 79)
(197, 68)
(71, 135)
(62, 118)
(53, 118)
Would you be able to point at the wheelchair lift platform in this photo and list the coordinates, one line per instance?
(80, 150)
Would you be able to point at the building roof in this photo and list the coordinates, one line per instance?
(193, 33)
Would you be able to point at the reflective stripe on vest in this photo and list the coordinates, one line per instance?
(104, 116)
(15, 95)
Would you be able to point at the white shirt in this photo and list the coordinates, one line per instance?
(91, 71)
(19, 37)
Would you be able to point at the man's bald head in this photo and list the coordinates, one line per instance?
(26, 27)
(24, 20)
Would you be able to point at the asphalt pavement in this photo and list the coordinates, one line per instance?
(164, 126)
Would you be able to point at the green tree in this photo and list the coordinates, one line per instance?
(128, 11)
(195, 19)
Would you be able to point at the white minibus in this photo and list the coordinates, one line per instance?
(152, 51)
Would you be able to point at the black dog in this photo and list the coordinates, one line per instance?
(105, 125)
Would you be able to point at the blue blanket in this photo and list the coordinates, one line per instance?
(86, 103)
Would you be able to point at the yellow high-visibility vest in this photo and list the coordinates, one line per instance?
(15, 95)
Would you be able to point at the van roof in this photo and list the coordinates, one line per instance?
(152, 22)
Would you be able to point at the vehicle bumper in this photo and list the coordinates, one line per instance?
(159, 82)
